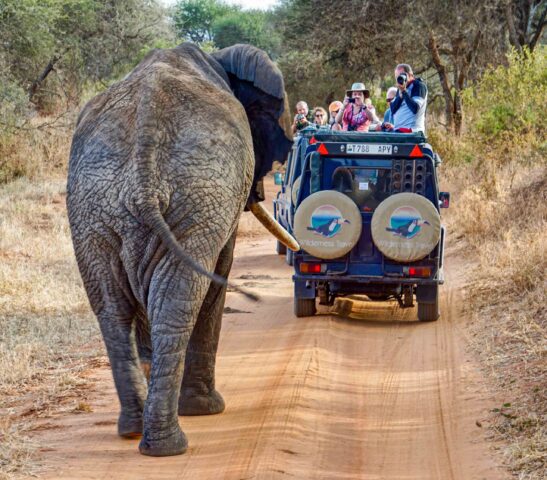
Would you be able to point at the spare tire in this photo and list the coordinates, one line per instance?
(406, 227)
(294, 190)
(327, 224)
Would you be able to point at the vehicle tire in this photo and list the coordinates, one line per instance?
(304, 307)
(428, 312)
(406, 227)
(280, 248)
(327, 224)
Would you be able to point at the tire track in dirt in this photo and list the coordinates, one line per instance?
(365, 392)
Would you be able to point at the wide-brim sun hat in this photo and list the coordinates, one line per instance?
(336, 105)
(358, 87)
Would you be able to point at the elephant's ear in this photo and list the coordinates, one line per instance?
(253, 65)
(258, 85)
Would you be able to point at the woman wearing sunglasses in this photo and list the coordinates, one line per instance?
(320, 117)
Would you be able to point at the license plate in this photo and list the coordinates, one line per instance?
(369, 148)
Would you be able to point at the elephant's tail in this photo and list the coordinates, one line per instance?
(158, 224)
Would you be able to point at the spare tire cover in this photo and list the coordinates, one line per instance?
(294, 191)
(406, 227)
(327, 224)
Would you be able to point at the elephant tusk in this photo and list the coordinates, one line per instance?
(273, 227)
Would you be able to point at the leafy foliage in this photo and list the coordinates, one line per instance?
(250, 26)
(194, 18)
(511, 99)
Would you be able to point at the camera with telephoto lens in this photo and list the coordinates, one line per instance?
(402, 79)
(351, 100)
(300, 117)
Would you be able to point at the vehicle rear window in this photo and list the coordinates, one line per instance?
(367, 187)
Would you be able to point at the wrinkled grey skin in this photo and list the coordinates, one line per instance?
(162, 165)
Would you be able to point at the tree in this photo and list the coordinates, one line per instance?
(249, 26)
(53, 48)
(194, 18)
(526, 20)
(456, 39)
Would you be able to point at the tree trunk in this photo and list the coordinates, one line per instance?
(443, 78)
(458, 113)
(38, 82)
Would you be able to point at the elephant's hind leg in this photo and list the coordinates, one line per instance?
(175, 297)
(198, 395)
(116, 319)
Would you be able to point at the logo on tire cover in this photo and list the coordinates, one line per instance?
(326, 221)
(406, 222)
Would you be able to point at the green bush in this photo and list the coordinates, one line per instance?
(511, 99)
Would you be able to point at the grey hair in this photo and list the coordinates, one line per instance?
(392, 90)
(303, 103)
(405, 67)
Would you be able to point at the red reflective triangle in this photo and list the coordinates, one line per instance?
(313, 141)
(416, 152)
(322, 149)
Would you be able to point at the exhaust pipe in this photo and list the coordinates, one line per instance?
(273, 227)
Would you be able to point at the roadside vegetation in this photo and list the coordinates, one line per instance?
(498, 176)
(486, 69)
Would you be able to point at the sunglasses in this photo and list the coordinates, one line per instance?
(334, 112)
(388, 100)
(318, 114)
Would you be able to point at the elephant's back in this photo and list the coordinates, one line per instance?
(170, 129)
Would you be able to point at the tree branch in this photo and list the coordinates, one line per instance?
(511, 25)
(539, 30)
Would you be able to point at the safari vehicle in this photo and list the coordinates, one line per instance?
(365, 208)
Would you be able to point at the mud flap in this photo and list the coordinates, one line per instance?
(427, 293)
(304, 289)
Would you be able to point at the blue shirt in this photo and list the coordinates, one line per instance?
(408, 109)
(388, 117)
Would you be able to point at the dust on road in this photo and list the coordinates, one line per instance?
(361, 391)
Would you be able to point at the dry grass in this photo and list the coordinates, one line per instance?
(47, 332)
(39, 150)
(500, 211)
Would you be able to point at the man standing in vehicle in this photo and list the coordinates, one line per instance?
(409, 105)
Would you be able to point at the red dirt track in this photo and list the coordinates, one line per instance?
(360, 391)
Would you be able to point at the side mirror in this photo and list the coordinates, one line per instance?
(444, 199)
(278, 178)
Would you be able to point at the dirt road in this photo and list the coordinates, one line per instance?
(361, 391)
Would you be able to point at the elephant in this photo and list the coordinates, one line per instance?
(162, 164)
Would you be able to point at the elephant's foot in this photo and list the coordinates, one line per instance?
(174, 444)
(129, 427)
(194, 404)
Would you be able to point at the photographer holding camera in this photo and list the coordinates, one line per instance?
(409, 105)
(358, 112)
(301, 119)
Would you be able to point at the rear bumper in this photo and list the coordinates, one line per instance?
(364, 279)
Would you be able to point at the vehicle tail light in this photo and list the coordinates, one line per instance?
(417, 271)
(322, 149)
(311, 268)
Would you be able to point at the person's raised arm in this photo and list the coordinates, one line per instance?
(416, 101)
(340, 114)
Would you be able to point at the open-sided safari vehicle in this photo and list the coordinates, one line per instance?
(365, 208)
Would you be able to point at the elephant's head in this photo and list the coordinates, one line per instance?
(258, 85)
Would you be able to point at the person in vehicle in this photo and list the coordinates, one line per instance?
(334, 108)
(301, 119)
(409, 105)
(320, 117)
(388, 116)
(356, 114)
